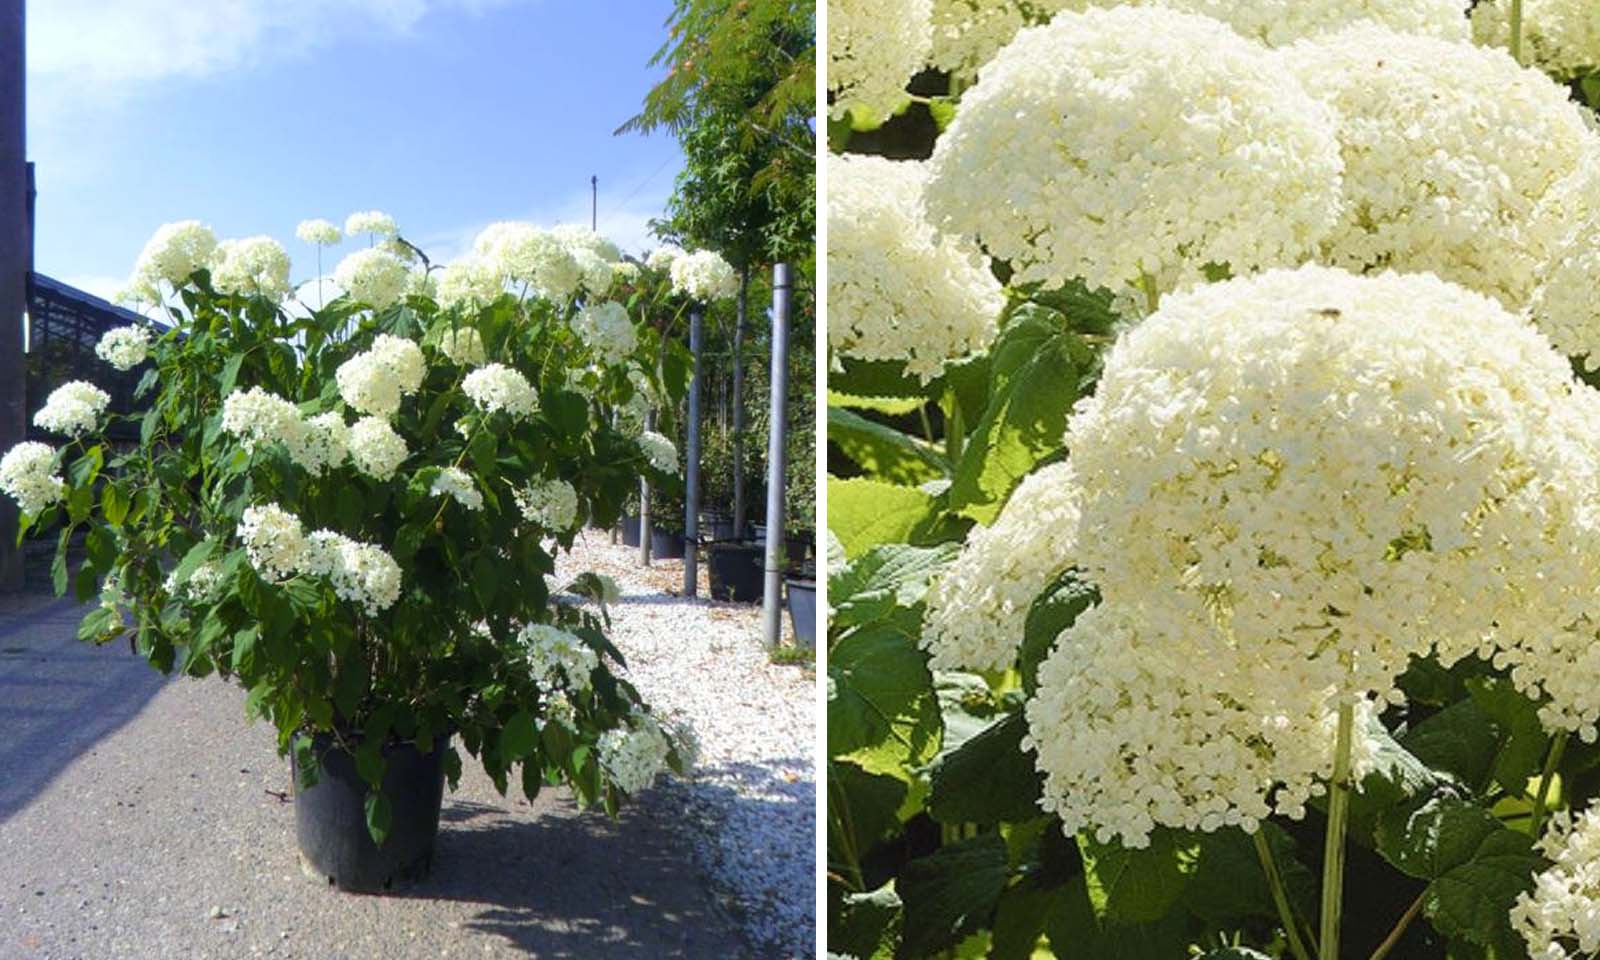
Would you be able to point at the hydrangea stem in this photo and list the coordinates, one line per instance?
(1540, 799)
(1281, 899)
(1516, 30)
(1338, 822)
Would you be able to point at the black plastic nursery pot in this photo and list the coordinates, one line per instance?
(734, 570)
(717, 526)
(630, 531)
(803, 610)
(666, 546)
(331, 822)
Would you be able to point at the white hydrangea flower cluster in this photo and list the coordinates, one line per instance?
(72, 409)
(1224, 162)
(374, 223)
(1561, 37)
(1450, 154)
(259, 417)
(875, 47)
(124, 347)
(27, 476)
(634, 755)
(625, 271)
(254, 266)
(375, 381)
(552, 504)
(323, 444)
(977, 610)
(464, 346)
(374, 277)
(1560, 918)
(523, 253)
(896, 290)
(704, 276)
(274, 540)
(605, 327)
(596, 273)
(498, 387)
(1565, 305)
(469, 282)
(375, 448)
(172, 254)
(358, 572)
(560, 660)
(457, 483)
(660, 451)
(576, 237)
(318, 233)
(202, 586)
(661, 257)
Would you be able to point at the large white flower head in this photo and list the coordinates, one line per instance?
(559, 659)
(528, 255)
(374, 223)
(464, 346)
(274, 540)
(456, 483)
(469, 282)
(259, 417)
(323, 443)
(318, 233)
(896, 290)
(704, 276)
(173, 252)
(660, 451)
(375, 380)
(576, 236)
(875, 47)
(977, 610)
(1449, 151)
(254, 266)
(375, 448)
(27, 476)
(361, 573)
(1561, 37)
(1560, 918)
(498, 387)
(633, 755)
(596, 272)
(1564, 304)
(1129, 174)
(374, 277)
(73, 408)
(605, 327)
(552, 504)
(1133, 734)
(124, 347)
(661, 257)
(1346, 470)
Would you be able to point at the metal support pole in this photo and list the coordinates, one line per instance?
(644, 503)
(691, 467)
(738, 404)
(777, 443)
(15, 257)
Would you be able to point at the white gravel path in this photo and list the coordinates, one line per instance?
(750, 809)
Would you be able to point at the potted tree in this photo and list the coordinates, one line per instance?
(352, 512)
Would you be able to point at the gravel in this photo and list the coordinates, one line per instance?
(749, 811)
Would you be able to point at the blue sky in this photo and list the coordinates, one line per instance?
(252, 115)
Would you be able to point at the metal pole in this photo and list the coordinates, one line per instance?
(594, 203)
(691, 469)
(772, 599)
(738, 404)
(15, 257)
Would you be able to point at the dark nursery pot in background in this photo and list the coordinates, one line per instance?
(803, 610)
(630, 531)
(735, 571)
(331, 822)
(717, 526)
(666, 546)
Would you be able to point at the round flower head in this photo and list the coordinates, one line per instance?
(499, 387)
(323, 443)
(625, 271)
(1449, 150)
(1560, 918)
(359, 572)
(124, 347)
(259, 417)
(632, 756)
(576, 236)
(319, 233)
(173, 253)
(374, 223)
(374, 277)
(559, 659)
(1128, 174)
(704, 276)
(897, 291)
(457, 483)
(977, 610)
(375, 449)
(1132, 734)
(375, 381)
(552, 504)
(661, 257)
(274, 540)
(469, 282)
(874, 49)
(464, 346)
(27, 476)
(1346, 469)
(525, 254)
(605, 327)
(1564, 305)
(72, 409)
(255, 266)
(1561, 37)
(659, 451)
(597, 273)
